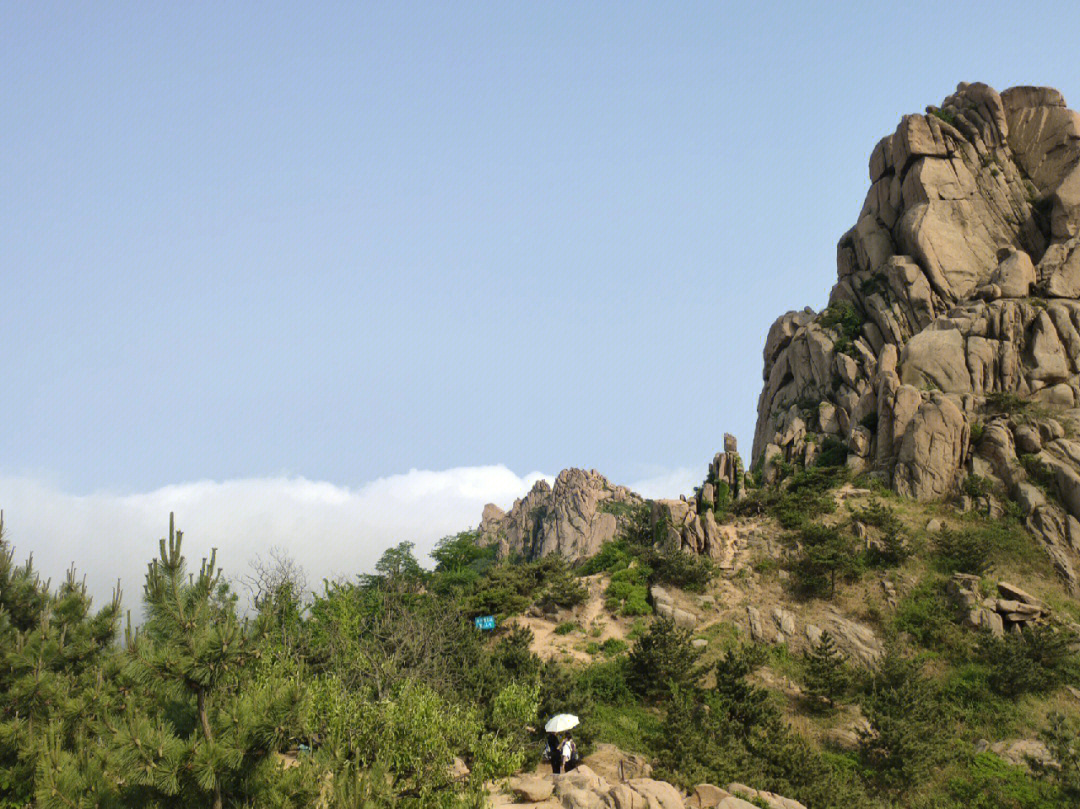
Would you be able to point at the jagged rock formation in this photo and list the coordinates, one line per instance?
(958, 285)
(574, 517)
(691, 523)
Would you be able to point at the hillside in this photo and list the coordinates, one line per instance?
(883, 610)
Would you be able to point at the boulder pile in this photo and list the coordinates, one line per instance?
(584, 788)
(1012, 610)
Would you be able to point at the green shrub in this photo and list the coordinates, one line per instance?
(561, 588)
(1041, 474)
(613, 646)
(806, 496)
(976, 486)
(679, 568)
(628, 592)
(893, 547)
(978, 429)
(988, 782)
(1033, 661)
(844, 317)
(833, 452)
(977, 547)
(1007, 402)
(612, 556)
(723, 498)
(617, 508)
(944, 115)
(930, 617)
(566, 627)
(1062, 740)
(965, 551)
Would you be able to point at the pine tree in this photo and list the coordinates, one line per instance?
(54, 655)
(826, 671)
(202, 720)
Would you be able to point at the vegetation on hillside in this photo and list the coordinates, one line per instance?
(364, 693)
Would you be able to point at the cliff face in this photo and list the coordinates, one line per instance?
(958, 287)
(972, 210)
(573, 518)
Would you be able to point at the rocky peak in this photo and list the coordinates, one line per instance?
(574, 517)
(958, 285)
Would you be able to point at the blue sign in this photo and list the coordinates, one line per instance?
(485, 622)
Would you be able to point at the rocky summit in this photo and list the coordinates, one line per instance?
(573, 517)
(957, 303)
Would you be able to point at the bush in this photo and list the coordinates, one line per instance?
(612, 556)
(976, 486)
(566, 627)
(965, 551)
(746, 704)
(976, 548)
(679, 568)
(833, 452)
(561, 587)
(805, 497)
(844, 317)
(929, 616)
(1008, 403)
(1035, 660)
(613, 646)
(988, 782)
(893, 547)
(1040, 474)
(628, 592)
(978, 429)
(1062, 739)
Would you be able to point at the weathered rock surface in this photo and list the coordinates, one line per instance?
(691, 522)
(584, 788)
(958, 285)
(573, 518)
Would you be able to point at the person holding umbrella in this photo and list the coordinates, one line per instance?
(558, 724)
(554, 751)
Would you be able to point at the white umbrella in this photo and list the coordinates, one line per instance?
(561, 722)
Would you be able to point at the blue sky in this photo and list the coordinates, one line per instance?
(338, 242)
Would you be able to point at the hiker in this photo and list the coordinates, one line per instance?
(554, 751)
(568, 752)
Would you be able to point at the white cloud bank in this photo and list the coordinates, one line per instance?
(328, 529)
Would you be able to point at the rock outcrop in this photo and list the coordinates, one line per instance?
(691, 523)
(573, 518)
(957, 288)
(584, 788)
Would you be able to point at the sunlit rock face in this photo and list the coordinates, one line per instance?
(573, 517)
(958, 288)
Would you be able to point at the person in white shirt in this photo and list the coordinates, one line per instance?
(569, 753)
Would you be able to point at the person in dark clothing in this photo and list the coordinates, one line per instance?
(555, 750)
